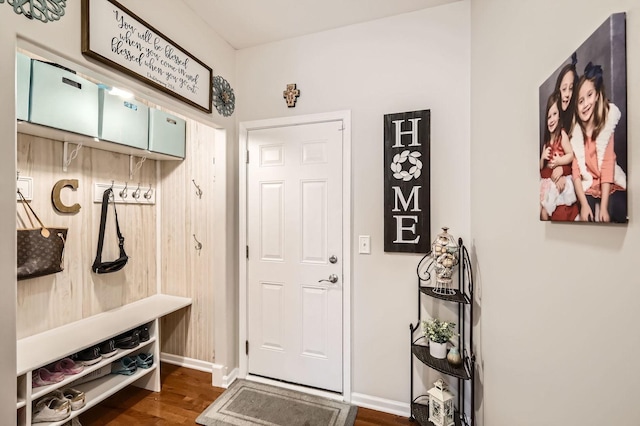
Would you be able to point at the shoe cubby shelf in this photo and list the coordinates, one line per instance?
(46, 348)
(102, 388)
(44, 390)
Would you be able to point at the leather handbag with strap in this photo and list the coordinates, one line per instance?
(40, 250)
(100, 267)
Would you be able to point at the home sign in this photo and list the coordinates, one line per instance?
(407, 191)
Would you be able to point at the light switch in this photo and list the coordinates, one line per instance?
(364, 244)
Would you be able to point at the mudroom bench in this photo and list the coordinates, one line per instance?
(46, 348)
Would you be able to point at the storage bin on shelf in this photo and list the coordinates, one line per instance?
(61, 99)
(167, 133)
(122, 120)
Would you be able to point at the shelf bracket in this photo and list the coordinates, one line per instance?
(68, 157)
(134, 169)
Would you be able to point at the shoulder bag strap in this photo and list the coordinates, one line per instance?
(103, 223)
(26, 205)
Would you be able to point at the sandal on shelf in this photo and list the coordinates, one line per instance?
(44, 377)
(75, 397)
(68, 367)
(144, 360)
(126, 366)
(51, 409)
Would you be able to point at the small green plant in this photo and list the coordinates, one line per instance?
(438, 331)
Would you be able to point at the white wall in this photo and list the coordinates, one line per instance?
(409, 62)
(62, 38)
(559, 303)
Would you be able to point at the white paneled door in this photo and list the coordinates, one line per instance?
(295, 263)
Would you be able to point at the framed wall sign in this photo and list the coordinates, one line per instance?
(115, 36)
(407, 193)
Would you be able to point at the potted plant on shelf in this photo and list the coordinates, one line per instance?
(438, 332)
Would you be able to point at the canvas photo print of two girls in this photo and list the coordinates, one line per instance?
(583, 131)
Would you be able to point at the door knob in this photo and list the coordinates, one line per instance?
(333, 278)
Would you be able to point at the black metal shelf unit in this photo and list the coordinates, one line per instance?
(463, 297)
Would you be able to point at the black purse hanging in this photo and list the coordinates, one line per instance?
(100, 267)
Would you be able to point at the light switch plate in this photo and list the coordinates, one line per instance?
(25, 185)
(364, 244)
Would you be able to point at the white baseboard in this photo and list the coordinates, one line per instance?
(380, 404)
(230, 378)
(220, 378)
(182, 361)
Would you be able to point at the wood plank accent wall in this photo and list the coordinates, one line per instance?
(186, 271)
(76, 293)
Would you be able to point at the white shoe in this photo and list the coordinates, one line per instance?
(51, 409)
(75, 397)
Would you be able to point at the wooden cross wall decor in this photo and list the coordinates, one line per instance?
(291, 95)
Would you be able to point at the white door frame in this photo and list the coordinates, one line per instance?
(245, 128)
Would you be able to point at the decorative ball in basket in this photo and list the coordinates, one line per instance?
(445, 254)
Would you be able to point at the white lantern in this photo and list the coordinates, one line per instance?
(441, 411)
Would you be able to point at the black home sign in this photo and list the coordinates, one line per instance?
(407, 194)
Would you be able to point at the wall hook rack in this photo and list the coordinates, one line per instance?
(68, 157)
(123, 194)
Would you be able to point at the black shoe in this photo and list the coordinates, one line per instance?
(108, 348)
(89, 356)
(128, 341)
(144, 333)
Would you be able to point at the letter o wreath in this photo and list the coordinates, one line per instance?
(415, 169)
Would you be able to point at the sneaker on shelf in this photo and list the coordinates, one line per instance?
(44, 377)
(144, 360)
(108, 348)
(126, 366)
(75, 397)
(128, 340)
(89, 356)
(68, 367)
(50, 409)
(144, 333)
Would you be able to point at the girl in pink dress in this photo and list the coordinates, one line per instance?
(556, 189)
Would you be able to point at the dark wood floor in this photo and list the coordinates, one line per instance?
(185, 394)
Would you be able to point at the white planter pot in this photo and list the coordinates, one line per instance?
(438, 350)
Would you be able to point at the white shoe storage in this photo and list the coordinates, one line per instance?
(48, 347)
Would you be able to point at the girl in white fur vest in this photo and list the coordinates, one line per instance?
(598, 180)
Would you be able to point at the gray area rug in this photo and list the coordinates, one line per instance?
(251, 403)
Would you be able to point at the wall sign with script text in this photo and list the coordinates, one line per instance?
(407, 193)
(115, 36)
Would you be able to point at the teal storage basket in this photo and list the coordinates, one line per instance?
(23, 83)
(166, 133)
(124, 121)
(63, 100)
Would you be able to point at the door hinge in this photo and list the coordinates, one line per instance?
(246, 347)
(247, 252)
(247, 156)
